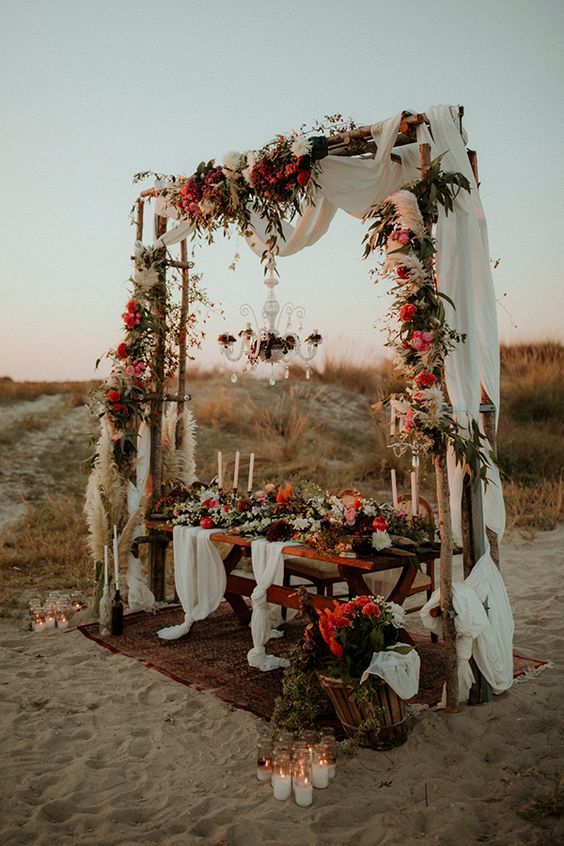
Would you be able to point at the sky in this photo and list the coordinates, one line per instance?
(94, 91)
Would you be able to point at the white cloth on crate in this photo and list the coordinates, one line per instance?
(199, 577)
(268, 569)
(484, 627)
(399, 670)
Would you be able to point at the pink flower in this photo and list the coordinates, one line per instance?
(406, 312)
(350, 516)
(401, 235)
(409, 420)
(270, 487)
(422, 341)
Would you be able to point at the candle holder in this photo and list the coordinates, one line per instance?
(320, 767)
(329, 743)
(264, 759)
(38, 621)
(281, 775)
(301, 780)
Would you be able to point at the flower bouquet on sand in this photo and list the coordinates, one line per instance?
(365, 669)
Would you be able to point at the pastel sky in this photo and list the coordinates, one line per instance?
(96, 90)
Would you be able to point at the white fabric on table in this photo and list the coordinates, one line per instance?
(398, 669)
(383, 582)
(485, 635)
(268, 569)
(199, 576)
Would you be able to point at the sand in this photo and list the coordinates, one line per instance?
(96, 749)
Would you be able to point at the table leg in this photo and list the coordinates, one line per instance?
(235, 600)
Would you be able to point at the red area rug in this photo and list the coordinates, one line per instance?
(213, 657)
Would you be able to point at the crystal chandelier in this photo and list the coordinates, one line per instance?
(266, 343)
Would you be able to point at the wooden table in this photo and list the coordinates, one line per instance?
(351, 569)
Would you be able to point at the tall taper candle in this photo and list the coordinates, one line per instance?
(106, 565)
(116, 558)
(394, 490)
(251, 468)
(414, 495)
(219, 470)
(236, 470)
(392, 420)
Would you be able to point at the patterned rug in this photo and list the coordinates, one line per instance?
(213, 657)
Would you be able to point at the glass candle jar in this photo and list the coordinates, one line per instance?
(301, 780)
(38, 621)
(319, 767)
(264, 759)
(330, 744)
(281, 775)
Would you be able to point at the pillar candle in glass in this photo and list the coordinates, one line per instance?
(264, 759)
(49, 618)
(38, 622)
(281, 775)
(330, 744)
(301, 780)
(319, 767)
(62, 620)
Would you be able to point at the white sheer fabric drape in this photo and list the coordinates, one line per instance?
(199, 576)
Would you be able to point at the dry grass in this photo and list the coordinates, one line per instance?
(320, 431)
(13, 391)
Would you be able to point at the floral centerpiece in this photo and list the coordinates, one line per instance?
(345, 645)
(324, 521)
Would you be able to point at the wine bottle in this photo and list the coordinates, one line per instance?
(117, 614)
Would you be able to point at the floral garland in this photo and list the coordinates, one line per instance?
(324, 521)
(274, 182)
(123, 396)
(423, 338)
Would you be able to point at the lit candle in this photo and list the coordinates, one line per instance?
(49, 620)
(251, 468)
(62, 621)
(236, 470)
(320, 768)
(105, 576)
(116, 558)
(281, 786)
(264, 759)
(38, 624)
(219, 470)
(303, 793)
(414, 495)
(394, 489)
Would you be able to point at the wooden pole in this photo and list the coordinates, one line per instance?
(445, 525)
(157, 551)
(139, 220)
(179, 434)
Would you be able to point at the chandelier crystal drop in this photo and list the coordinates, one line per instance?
(265, 342)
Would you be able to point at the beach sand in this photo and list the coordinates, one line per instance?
(97, 749)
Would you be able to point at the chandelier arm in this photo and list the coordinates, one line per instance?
(247, 310)
(232, 356)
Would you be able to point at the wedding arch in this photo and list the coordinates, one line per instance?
(413, 181)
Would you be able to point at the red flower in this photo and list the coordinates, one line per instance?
(336, 648)
(122, 350)
(131, 306)
(114, 396)
(303, 177)
(402, 271)
(406, 312)
(371, 610)
(206, 523)
(118, 407)
(379, 524)
(425, 379)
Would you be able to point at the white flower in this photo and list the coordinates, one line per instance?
(232, 162)
(381, 540)
(398, 615)
(301, 147)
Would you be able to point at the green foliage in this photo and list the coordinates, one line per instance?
(303, 702)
